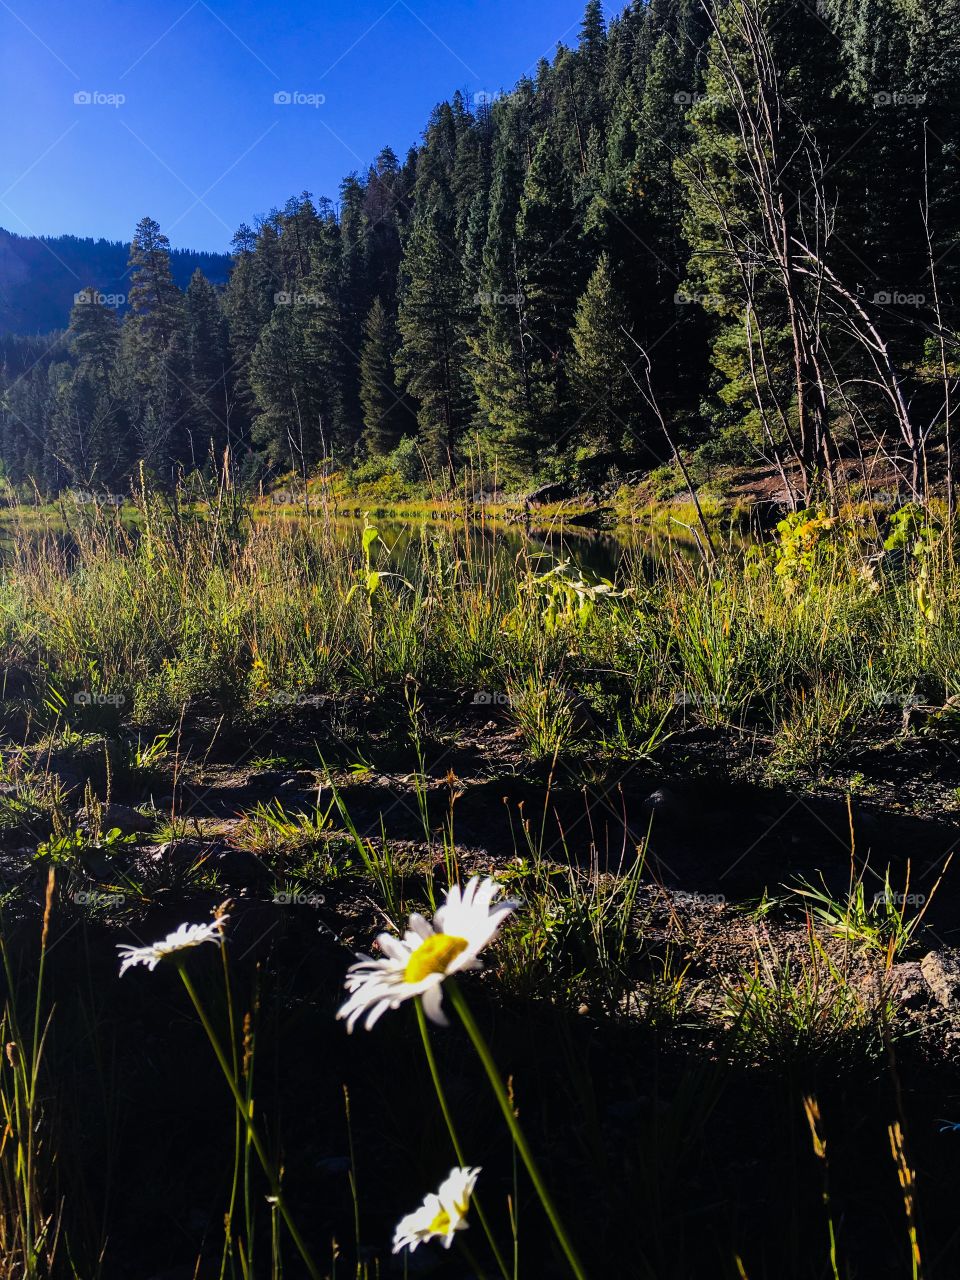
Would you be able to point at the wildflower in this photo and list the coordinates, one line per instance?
(418, 963)
(188, 935)
(441, 1215)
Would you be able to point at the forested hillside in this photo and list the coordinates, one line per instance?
(41, 275)
(730, 230)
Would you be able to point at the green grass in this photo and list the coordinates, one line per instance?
(596, 1026)
(119, 625)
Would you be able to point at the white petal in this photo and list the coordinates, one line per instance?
(433, 1005)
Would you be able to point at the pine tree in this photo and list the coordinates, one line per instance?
(87, 427)
(155, 301)
(247, 303)
(154, 359)
(513, 381)
(209, 376)
(387, 415)
(605, 395)
(431, 360)
(94, 332)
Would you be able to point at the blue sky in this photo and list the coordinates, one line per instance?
(182, 124)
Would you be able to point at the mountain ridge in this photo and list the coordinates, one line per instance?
(39, 276)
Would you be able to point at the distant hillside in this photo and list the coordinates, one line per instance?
(40, 274)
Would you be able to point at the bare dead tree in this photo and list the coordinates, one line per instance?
(746, 63)
(851, 317)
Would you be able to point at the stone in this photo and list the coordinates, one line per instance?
(238, 867)
(120, 816)
(941, 972)
(179, 854)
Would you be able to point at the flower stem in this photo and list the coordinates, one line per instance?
(444, 1107)
(493, 1075)
(255, 1138)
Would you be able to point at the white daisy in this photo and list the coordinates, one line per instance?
(188, 935)
(417, 963)
(441, 1215)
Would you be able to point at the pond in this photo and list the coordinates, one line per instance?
(618, 553)
(612, 553)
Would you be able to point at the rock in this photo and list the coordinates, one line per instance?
(121, 816)
(941, 972)
(555, 492)
(68, 780)
(581, 712)
(238, 867)
(269, 777)
(906, 984)
(177, 854)
(599, 518)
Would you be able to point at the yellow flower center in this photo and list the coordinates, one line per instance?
(434, 955)
(440, 1226)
